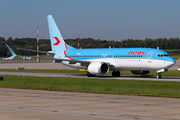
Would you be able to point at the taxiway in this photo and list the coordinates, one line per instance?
(98, 77)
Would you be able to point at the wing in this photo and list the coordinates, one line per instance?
(48, 52)
(50, 58)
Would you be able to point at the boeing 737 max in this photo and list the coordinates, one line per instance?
(102, 60)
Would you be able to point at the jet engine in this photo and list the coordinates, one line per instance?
(140, 72)
(96, 68)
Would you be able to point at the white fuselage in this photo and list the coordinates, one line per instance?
(129, 64)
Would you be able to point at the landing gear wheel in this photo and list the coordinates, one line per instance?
(90, 75)
(158, 76)
(116, 74)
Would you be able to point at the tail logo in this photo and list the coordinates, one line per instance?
(57, 41)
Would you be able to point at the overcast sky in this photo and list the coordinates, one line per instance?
(98, 19)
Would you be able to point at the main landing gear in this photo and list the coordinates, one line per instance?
(116, 74)
(90, 75)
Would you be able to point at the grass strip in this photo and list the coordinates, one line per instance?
(91, 85)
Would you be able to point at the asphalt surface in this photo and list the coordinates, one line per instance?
(99, 77)
(17, 104)
(33, 65)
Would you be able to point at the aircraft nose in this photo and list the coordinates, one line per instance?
(170, 59)
(170, 63)
(173, 61)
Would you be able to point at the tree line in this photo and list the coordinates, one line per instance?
(44, 44)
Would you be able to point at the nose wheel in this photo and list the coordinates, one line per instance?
(158, 76)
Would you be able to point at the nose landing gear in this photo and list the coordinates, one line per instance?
(158, 76)
(159, 73)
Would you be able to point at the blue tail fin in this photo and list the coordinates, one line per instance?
(12, 52)
(58, 45)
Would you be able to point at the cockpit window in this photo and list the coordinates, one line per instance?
(163, 55)
(159, 55)
(166, 55)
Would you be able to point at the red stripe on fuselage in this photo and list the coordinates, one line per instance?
(66, 54)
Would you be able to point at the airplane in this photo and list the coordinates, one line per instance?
(12, 52)
(100, 61)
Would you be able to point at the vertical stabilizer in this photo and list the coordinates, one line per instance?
(58, 44)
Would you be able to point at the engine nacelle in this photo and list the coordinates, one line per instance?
(96, 68)
(140, 72)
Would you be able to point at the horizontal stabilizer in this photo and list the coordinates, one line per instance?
(36, 51)
(60, 59)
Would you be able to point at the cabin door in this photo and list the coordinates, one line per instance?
(149, 58)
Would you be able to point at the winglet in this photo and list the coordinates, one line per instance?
(12, 52)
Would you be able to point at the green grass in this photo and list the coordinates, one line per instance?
(91, 85)
(174, 53)
(171, 50)
(175, 56)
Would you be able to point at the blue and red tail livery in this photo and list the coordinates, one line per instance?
(58, 45)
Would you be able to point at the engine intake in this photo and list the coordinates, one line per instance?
(96, 68)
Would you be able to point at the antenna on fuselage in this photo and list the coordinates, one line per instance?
(158, 48)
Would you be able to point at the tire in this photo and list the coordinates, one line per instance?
(90, 75)
(116, 74)
(158, 76)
